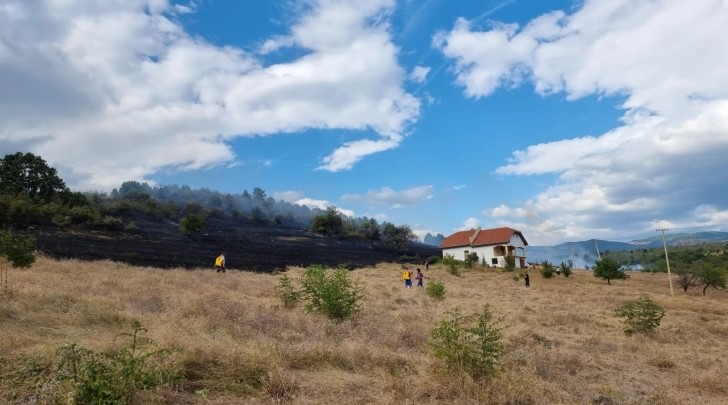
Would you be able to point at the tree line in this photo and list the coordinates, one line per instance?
(32, 193)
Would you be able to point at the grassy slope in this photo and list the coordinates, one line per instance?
(564, 344)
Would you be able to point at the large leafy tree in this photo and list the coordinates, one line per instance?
(609, 269)
(398, 236)
(30, 174)
(329, 223)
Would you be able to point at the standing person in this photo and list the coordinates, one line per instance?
(420, 277)
(407, 277)
(527, 280)
(427, 264)
(220, 263)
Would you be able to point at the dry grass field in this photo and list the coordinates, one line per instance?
(238, 344)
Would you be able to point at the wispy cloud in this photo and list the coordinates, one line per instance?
(390, 197)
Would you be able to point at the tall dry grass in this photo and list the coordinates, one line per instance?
(240, 345)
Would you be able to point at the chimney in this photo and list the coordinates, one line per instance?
(475, 235)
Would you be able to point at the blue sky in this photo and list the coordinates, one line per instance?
(567, 120)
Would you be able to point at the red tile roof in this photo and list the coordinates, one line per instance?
(484, 237)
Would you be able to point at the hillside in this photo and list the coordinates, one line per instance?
(584, 253)
(253, 247)
(236, 343)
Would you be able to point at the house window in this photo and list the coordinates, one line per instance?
(466, 253)
(494, 261)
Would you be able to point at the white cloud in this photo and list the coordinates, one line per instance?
(665, 162)
(393, 198)
(419, 74)
(470, 223)
(322, 204)
(114, 91)
(288, 196)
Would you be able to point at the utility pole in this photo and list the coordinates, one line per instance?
(664, 245)
(599, 256)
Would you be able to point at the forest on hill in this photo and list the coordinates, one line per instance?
(170, 225)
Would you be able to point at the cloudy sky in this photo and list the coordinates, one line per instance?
(567, 120)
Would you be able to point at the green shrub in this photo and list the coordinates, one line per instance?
(193, 224)
(114, 377)
(287, 292)
(509, 263)
(470, 259)
(547, 270)
(331, 292)
(451, 265)
(109, 222)
(80, 215)
(642, 315)
(565, 269)
(469, 343)
(435, 290)
(433, 259)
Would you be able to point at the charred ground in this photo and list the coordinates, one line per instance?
(254, 247)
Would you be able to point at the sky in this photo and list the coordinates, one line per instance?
(566, 120)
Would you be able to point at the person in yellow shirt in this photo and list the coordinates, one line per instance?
(407, 277)
(220, 263)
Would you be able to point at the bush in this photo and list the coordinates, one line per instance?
(193, 224)
(433, 259)
(114, 377)
(642, 315)
(287, 292)
(470, 259)
(547, 270)
(565, 269)
(435, 290)
(470, 344)
(332, 294)
(81, 215)
(452, 265)
(509, 263)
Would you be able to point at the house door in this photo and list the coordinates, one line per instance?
(523, 262)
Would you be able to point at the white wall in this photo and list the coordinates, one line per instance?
(487, 252)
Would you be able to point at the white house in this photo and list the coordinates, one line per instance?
(490, 244)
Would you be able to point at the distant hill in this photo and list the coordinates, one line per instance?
(584, 253)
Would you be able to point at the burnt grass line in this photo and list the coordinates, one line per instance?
(260, 248)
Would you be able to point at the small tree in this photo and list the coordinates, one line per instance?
(509, 263)
(609, 269)
(566, 268)
(452, 265)
(435, 290)
(469, 343)
(287, 292)
(18, 251)
(470, 259)
(711, 275)
(642, 315)
(547, 269)
(331, 293)
(686, 277)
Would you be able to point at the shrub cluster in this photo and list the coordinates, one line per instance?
(116, 376)
(469, 343)
(330, 292)
(642, 315)
(435, 290)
